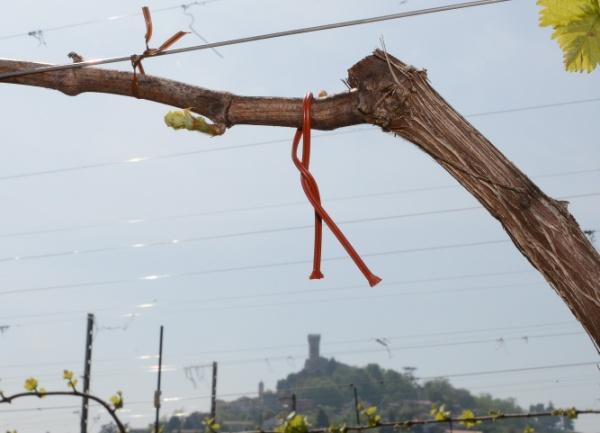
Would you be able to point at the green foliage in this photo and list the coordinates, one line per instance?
(528, 429)
(211, 426)
(440, 413)
(576, 25)
(370, 413)
(495, 414)
(569, 412)
(466, 419)
(69, 376)
(117, 400)
(293, 423)
(184, 119)
(322, 389)
(335, 428)
(31, 384)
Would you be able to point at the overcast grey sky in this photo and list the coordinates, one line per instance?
(255, 321)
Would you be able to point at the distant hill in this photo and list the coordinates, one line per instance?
(324, 392)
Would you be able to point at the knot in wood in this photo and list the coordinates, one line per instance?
(385, 86)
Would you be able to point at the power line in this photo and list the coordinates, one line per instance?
(341, 299)
(511, 370)
(408, 347)
(388, 285)
(277, 304)
(416, 346)
(103, 20)
(406, 336)
(181, 241)
(335, 342)
(154, 277)
(133, 221)
(138, 160)
(262, 37)
(533, 107)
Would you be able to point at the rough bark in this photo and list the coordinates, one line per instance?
(397, 97)
(221, 107)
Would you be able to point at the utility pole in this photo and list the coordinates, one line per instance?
(157, 392)
(87, 369)
(356, 404)
(213, 396)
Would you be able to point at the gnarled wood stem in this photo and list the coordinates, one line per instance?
(399, 98)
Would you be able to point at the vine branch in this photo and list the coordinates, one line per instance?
(397, 425)
(223, 108)
(399, 98)
(8, 399)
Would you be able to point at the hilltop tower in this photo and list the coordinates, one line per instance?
(314, 355)
(314, 341)
(261, 389)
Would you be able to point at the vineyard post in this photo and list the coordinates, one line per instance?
(213, 394)
(87, 369)
(157, 393)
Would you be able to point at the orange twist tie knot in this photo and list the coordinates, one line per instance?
(136, 60)
(309, 185)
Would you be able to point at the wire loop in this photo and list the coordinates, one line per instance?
(136, 59)
(311, 189)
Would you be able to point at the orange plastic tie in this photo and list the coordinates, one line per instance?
(136, 60)
(311, 189)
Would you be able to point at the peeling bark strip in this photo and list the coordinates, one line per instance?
(398, 98)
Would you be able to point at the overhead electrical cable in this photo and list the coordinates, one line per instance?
(137, 159)
(113, 18)
(255, 38)
(269, 294)
(181, 241)
(170, 310)
(393, 348)
(154, 277)
(134, 221)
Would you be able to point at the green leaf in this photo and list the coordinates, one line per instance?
(495, 414)
(31, 384)
(439, 413)
(580, 42)
(576, 26)
(294, 424)
(184, 119)
(466, 419)
(372, 410)
(561, 12)
(117, 400)
(334, 428)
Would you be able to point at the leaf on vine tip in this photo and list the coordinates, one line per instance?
(576, 26)
(466, 419)
(117, 400)
(31, 384)
(184, 119)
